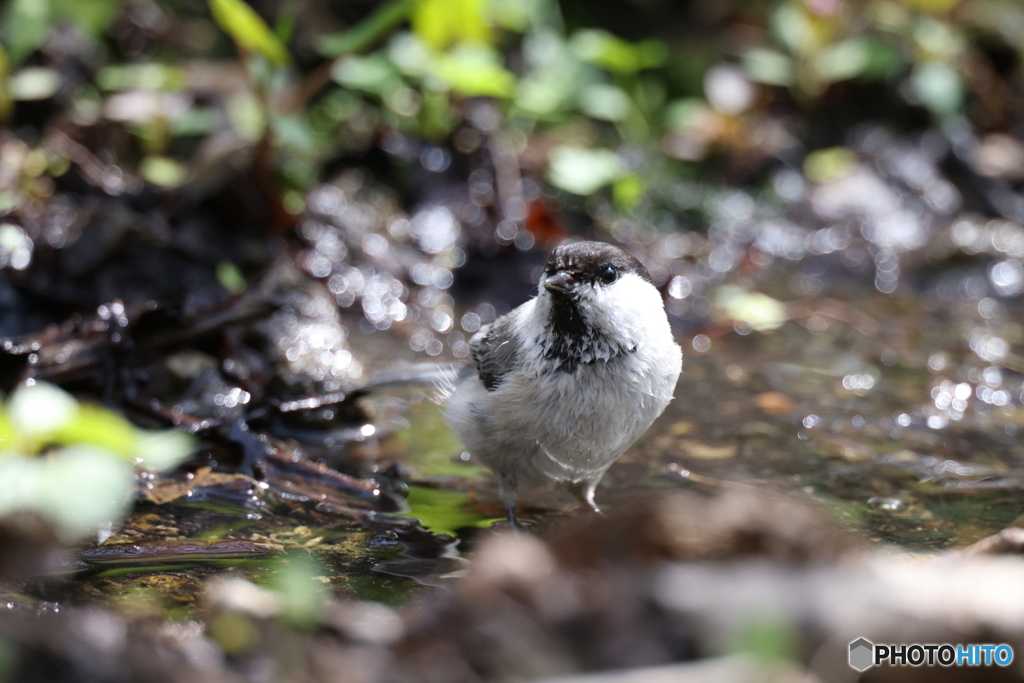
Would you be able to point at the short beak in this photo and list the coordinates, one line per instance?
(561, 282)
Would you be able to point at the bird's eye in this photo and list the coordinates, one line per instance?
(609, 275)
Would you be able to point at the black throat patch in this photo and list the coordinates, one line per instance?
(571, 340)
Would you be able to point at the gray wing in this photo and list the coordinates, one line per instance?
(495, 349)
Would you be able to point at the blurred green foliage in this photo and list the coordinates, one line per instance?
(74, 463)
(593, 99)
(248, 30)
(29, 22)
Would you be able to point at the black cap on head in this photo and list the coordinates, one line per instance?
(589, 261)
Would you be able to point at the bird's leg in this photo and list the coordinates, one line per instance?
(508, 489)
(584, 491)
(513, 521)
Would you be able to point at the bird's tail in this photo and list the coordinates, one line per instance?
(442, 377)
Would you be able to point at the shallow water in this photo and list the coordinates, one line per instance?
(889, 410)
(898, 413)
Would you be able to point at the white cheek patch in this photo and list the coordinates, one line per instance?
(628, 307)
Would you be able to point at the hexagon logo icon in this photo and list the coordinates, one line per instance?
(862, 654)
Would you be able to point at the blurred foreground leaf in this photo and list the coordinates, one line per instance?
(768, 640)
(99, 427)
(302, 588)
(40, 409)
(76, 490)
(84, 473)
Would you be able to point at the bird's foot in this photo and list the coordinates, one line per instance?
(513, 521)
(584, 492)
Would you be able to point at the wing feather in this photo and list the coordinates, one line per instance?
(495, 349)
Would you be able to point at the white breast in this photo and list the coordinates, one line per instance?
(544, 424)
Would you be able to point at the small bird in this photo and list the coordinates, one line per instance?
(561, 386)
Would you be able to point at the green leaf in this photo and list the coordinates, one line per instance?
(555, 78)
(82, 487)
(617, 55)
(583, 171)
(605, 102)
(760, 311)
(443, 512)
(33, 83)
(474, 71)
(247, 116)
(768, 639)
(627, 191)
(826, 165)
(937, 40)
(26, 23)
(442, 23)
(41, 409)
(794, 29)
(769, 67)
(8, 437)
(292, 132)
(196, 121)
(844, 60)
(230, 277)
(409, 54)
(149, 76)
(100, 427)
(248, 30)
(542, 96)
(936, 6)
(686, 113)
(938, 87)
(91, 17)
(21, 477)
(285, 25)
(373, 74)
(371, 29)
(163, 171)
(5, 98)
(164, 450)
(301, 585)
(884, 60)
(516, 15)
